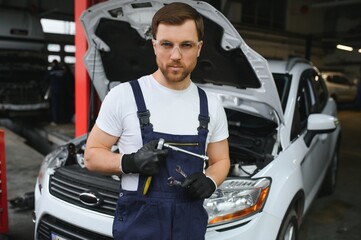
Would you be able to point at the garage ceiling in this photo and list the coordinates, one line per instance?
(341, 10)
(53, 9)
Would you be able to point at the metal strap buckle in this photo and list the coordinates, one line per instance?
(143, 117)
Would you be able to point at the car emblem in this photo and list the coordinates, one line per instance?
(90, 198)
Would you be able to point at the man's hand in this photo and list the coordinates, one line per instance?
(199, 186)
(146, 160)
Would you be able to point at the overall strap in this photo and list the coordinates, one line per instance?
(203, 116)
(143, 113)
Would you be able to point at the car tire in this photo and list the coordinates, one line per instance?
(330, 181)
(290, 228)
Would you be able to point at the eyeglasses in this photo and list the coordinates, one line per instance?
(183, 47)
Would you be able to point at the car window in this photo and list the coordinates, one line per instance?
(283, 83)
(338, 79)
(305, 104)
(320, 90)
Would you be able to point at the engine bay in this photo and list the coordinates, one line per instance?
(252, 142)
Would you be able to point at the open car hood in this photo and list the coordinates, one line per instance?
(120, 49)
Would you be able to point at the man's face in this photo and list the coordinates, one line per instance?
(176, 49)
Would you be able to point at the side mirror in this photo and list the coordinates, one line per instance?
(319, 123)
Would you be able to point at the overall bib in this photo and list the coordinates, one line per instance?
(165, 212)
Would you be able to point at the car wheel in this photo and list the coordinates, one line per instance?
(289, 229)
(330, 181)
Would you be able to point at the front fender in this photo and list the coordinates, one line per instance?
(287, 183)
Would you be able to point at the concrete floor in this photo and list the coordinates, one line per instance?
(335, 217)
(22, 165)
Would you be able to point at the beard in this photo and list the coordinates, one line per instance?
(178, 74)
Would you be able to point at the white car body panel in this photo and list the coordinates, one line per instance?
(248, 231)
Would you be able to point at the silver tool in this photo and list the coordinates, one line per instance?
(171, 181)
(180, 171)
(162, 144)
(149, 178)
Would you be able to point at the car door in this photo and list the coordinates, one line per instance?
(315, 156)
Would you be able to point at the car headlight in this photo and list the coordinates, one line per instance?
(54, 159)
(236, 199)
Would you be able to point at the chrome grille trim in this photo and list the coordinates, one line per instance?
(67, 183)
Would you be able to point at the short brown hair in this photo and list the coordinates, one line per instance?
(176, 14)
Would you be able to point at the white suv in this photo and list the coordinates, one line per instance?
(284, 133)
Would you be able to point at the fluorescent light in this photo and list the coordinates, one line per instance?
(343, 47)
(58, 26)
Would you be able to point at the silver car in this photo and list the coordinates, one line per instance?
(340, 87)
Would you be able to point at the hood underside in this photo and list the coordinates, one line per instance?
(120, 50)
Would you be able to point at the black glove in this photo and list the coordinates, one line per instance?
(146, 160)
(199, 186)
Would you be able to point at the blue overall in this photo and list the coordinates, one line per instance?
(165, 212)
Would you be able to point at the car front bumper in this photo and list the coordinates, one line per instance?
(258, 227)
(63, 220)
(57, 218)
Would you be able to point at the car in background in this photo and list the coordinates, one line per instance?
(23, 63)
(284, 135)
(340, 87)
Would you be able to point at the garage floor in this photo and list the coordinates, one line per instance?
(335, 217)
(22, 165)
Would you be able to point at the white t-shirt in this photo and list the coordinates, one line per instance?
(171, 111)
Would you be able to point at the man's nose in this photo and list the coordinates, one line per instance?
(176, 53)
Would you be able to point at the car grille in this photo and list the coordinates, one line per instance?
(69, 182)
(24, 93)
(49, 227)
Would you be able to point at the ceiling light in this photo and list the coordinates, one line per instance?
(359, 50)
(343, 47)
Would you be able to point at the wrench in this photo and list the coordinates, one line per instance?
(171, 181)
(180, 171)
(161, 144)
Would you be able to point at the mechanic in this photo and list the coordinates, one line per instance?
(162, 190)
(57, 80)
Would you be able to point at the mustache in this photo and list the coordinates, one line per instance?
(175, 64)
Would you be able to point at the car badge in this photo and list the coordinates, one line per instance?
(90, 198)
